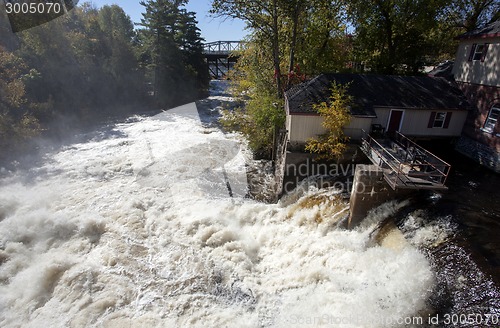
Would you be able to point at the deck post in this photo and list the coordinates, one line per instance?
(369, 191)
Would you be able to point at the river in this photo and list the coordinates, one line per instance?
(146, 223)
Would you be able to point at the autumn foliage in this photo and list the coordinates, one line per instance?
(336, 115)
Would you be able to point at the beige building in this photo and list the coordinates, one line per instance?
(422, 107)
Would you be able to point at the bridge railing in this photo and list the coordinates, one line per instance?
(222, 47)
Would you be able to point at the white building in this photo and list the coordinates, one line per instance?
(423, 107)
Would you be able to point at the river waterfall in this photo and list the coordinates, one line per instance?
(145, 223)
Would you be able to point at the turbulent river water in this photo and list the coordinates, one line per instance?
(145, 223)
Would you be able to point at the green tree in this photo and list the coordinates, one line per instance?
(262, 16)
(336, 115)
(394, 35)
(263, 115)
(81, 66)
(321, 43)
(84, 64)
(172, 51)
(17, 123)
(471, 14)
(458, 17)
(301, 38)
(119, 62)
(188, 39)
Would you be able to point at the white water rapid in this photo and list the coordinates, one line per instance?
(136, 227)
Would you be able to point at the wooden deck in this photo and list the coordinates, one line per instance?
(406, 165)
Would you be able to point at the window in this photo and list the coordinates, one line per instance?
(491, 121)
(440, 120)
(478, 52)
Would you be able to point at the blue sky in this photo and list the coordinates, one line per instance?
(212, 29)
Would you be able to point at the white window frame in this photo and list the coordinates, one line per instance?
(440, 126)
(491, 122)
(478, 52)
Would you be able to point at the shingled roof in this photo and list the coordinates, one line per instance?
(489, 31)
(371, 91)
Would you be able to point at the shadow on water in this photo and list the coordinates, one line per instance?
(467, 263)
(67, 132)
(209, 110)
(61, 136)
(473, 201)
(466, 283)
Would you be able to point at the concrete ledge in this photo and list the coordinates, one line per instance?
(369, 191)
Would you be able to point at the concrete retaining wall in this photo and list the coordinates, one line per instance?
(369, 191)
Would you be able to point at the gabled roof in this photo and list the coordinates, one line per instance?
(489, 31)
(372, 91)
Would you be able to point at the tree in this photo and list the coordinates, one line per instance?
(172, 51)
(189, 40)
(81, 67)
(300, 38)
(114, 22)
(336, 116)
(321, 43)
(17, 123)
(263, 112)
(394, 34)
(262, 16)
(119, 62)
(472, 14)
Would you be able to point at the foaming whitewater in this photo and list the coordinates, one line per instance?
(146, 224)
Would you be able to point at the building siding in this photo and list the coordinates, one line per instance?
(382, 116)
(357, 127)
(415, 122)
(480, 82)
(485, 72)
(304, 127)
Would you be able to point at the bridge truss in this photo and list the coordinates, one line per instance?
(221, 56)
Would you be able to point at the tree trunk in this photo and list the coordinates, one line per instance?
(389, 65)
(391, 49)
(294, 42)
(276, 50)
(156, 64)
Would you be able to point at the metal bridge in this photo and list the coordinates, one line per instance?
(221, 56)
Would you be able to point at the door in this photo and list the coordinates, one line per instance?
(395, 121)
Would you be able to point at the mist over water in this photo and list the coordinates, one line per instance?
(148, 226)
